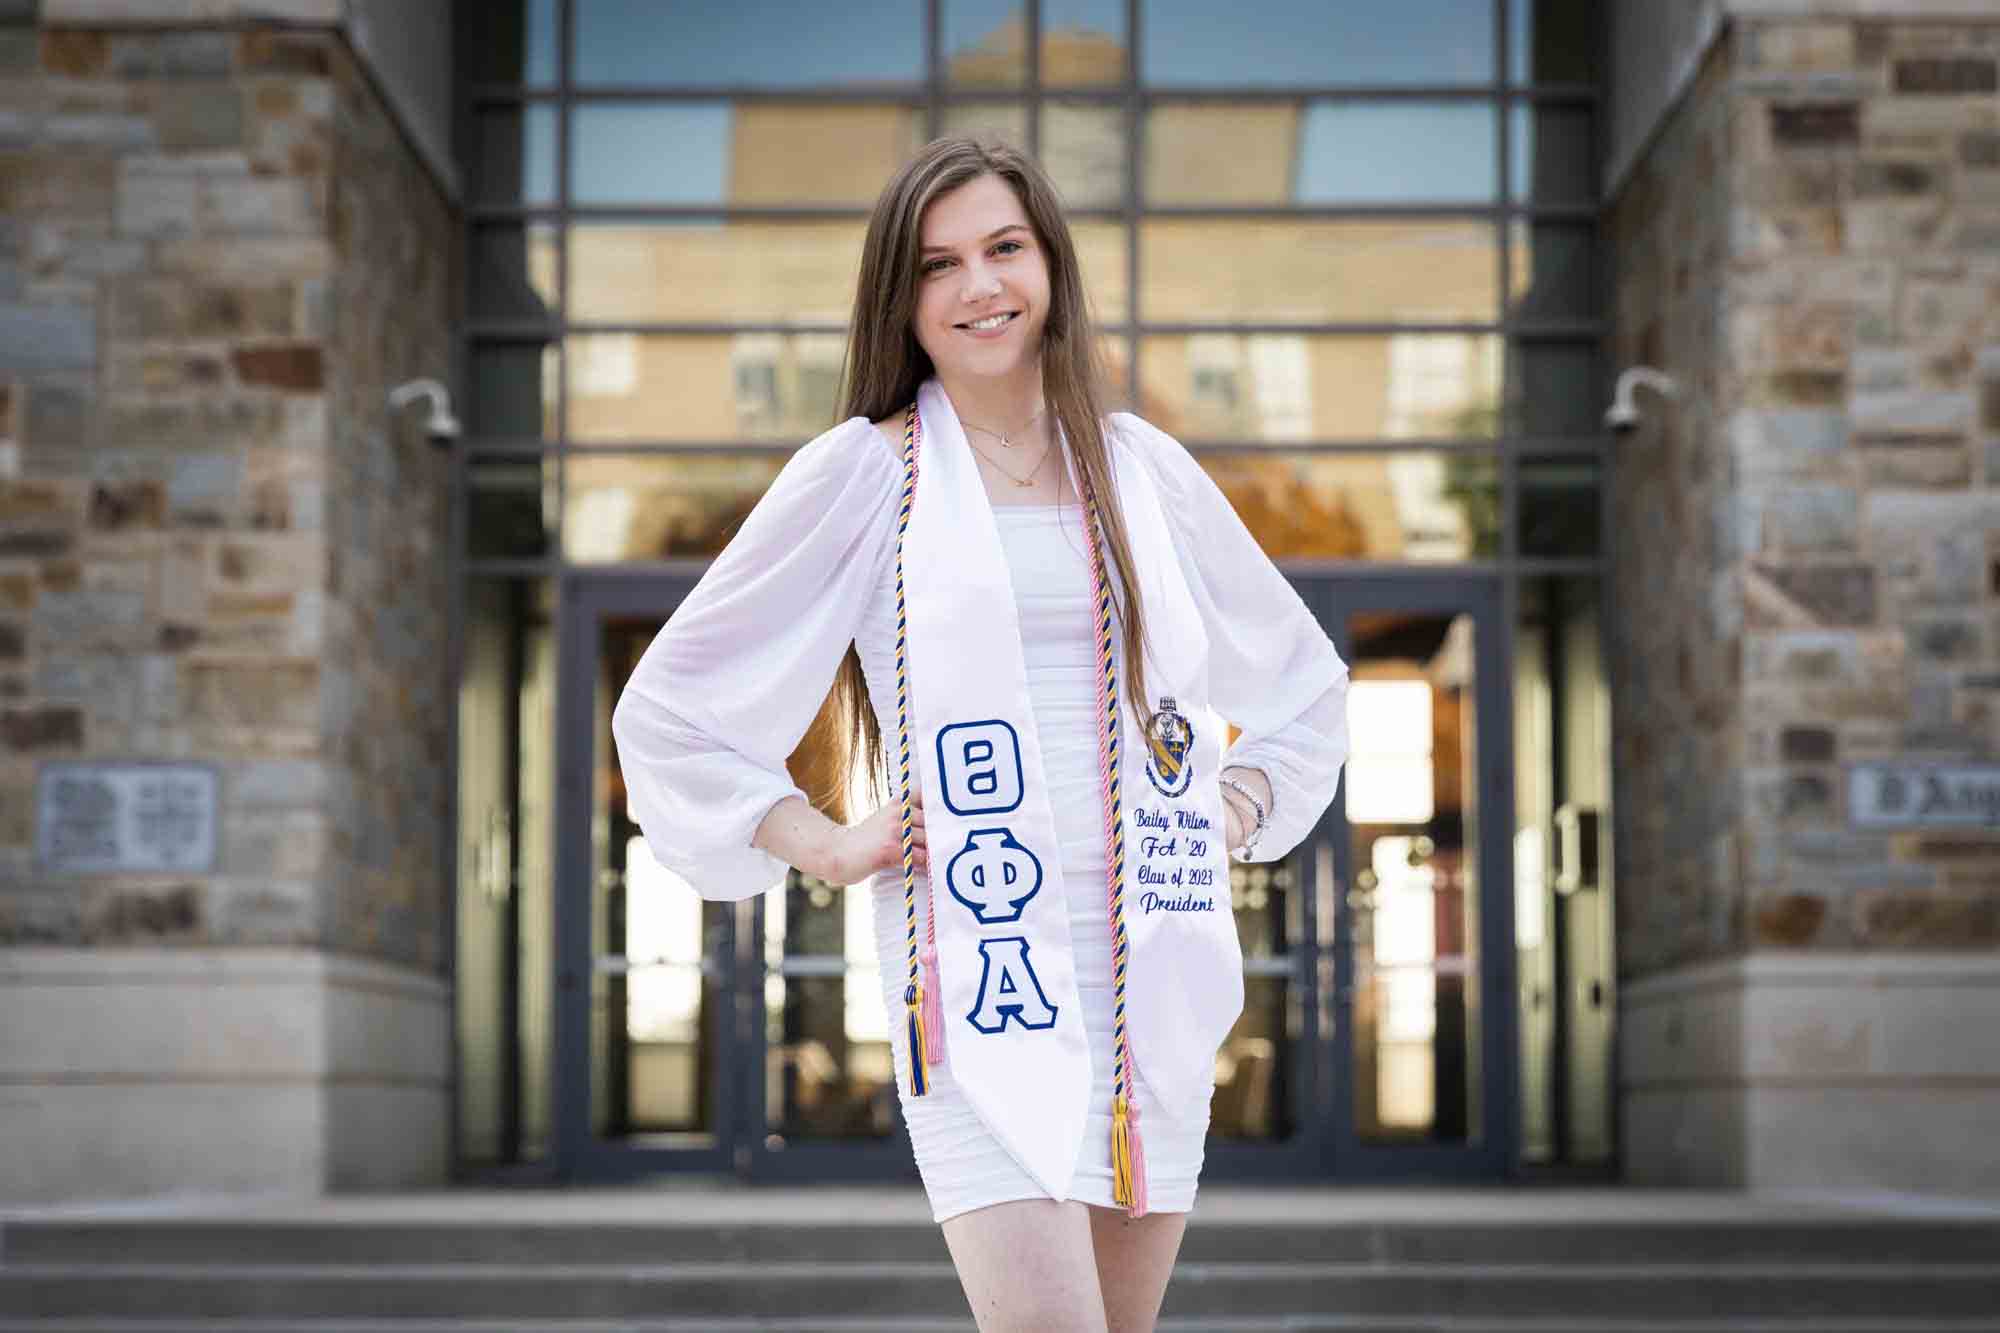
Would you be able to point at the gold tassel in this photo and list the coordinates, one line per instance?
(1121, 1154)
(913, 998)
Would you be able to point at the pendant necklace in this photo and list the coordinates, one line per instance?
(1029, 481)
(1006, 443)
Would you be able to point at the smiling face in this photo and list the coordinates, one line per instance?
(980, 258)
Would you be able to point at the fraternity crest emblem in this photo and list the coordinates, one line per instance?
(1169, 739)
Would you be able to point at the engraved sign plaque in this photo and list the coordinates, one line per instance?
(1921, 795)
(96, 818)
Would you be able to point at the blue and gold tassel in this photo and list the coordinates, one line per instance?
(922, 996)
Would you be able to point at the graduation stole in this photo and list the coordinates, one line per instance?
(998, 959)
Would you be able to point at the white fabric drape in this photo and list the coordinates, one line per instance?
(727, 688)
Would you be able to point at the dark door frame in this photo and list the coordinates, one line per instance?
(1492, 1139)
(740, 1145)
(1319, 964)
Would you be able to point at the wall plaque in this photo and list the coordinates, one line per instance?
(97, 818)
(1920, 795)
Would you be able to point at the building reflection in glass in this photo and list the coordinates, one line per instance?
(1412, 815)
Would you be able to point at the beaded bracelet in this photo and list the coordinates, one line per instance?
(1242, 852)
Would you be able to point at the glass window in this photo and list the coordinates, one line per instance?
(1320, 153)
(514, 390)
(1274, 270)
(1553, 270)
(659, 1049)
(985, 43)
(770, 44)
(1118, 374)
(1554, 162)
(513, 42)
(505, 954)
(829, 1070)
(658, 506)
(1083, 149)
(1289, 43)
(632, 387)
(1390, 152)
(1001, 120)
(773, 388)
(1553, 389)
(510, 505)
(513, 271)
(1562, 870)
(1414, 505)
(1552, 41)
(1255, 1073)
(714, 271)
(1100, 251)
(1414, 903)
(700, 154)
(514, 156)
(1083, 43)
(1278, 387)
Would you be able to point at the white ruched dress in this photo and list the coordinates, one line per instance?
(723, 694)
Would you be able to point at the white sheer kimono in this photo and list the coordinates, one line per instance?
(726, 690)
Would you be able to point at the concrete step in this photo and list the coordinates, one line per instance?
(1412, 1293)
(1167, 1324)
(1724, 1244)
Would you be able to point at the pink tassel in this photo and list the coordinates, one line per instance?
(933, 1008)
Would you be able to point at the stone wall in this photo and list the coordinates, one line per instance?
(1676, 738)
(1808, 575)
(385, 705)
(217, 253)
(1864, 341)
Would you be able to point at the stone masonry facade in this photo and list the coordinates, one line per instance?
(1677, 705)
(1807, 572)
(217, 255)
(218, 252)
(1813, 247)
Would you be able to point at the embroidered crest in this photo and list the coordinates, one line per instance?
(1169, 740)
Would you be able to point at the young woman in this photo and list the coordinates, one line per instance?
(995, 638)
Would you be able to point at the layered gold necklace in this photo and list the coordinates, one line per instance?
(1008, 444)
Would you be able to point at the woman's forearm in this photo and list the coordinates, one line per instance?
(1254, 779)
(800, 836)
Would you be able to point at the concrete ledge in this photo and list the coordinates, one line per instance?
(1815, 1071)
(182, 12)
(136, 1072)
(108, 1141)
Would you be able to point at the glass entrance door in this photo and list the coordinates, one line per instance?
(1411, 872)
(745, 1037)
(750, 1038)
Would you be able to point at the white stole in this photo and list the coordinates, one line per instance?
(1014, 1035)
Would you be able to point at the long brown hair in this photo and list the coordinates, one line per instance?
(885, 364)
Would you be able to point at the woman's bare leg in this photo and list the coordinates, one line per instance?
(1135, 1257)
(1027, 1267)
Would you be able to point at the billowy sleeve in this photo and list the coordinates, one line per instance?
(727, 688)
(1273, 671)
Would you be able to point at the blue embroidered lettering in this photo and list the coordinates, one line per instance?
(1187, 902)
(1009, 955)
(980, 764)
(994, 875)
